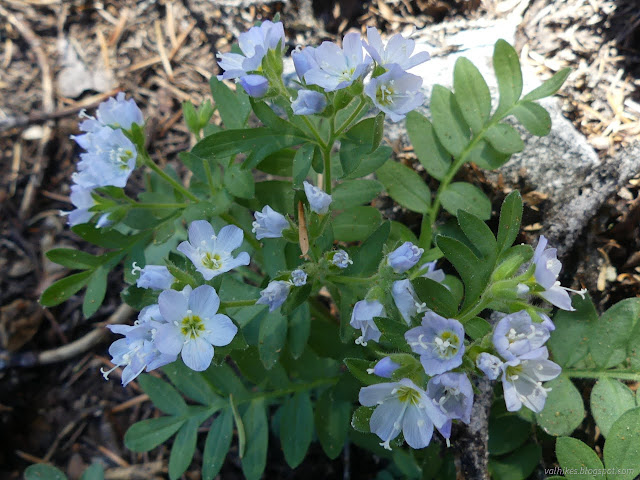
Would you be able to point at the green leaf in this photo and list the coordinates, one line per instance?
(393, 332)
(296, 427)
(534, 118)
(273, 335)
(239, 182)
(358, 368)
(332, 420)
(504, 138)
(622, 448)
(361, 418)
(472, 94)
(354, 192)
(432, 155)
(299, 330)
(163, 395)
(225, 380)
(356, 224)
(104, 237)
(507, 432)
(183, 448)
(479, 234)
(507, 67)
(367, 258)
(477, 327)
(279, 163)
(569, 341)
(95, 292)
(405, 186)
(487, 157)
(192, 384)
(573, 455)
(448, 122)
(370, 163)
(234, 107)
(564, 409)
(297, 295)
(464, 196)
(257, 432)
(43, 471)
(70, 258)
(549, 87)
(270, 118)
(63, 289)
(302, 163)
(609, 400)
(609, 334)
(517, 465)
(148, 434)
(217, 444)
(510, 218)
(278, 194)
(94, 472)
(437, 296)
(400, 233)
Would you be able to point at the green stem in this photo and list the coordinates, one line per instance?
(619, 374)
(475, 309)
(326, 155)
(315, 132)
(349, 280)
(247, 235)
(351, 118)
(238, 303)
(207, 169)
(175, 184)
(154, 206)
(297, 387)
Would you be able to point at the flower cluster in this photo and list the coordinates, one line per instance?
(329, 68)
(109, 156)
(184, 322)
(523, 362)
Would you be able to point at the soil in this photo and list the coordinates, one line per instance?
(162, 53)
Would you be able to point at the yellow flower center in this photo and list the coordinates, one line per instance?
(192, 326)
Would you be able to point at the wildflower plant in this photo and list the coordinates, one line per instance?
(254, 294)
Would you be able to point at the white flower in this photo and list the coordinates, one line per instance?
(341, 259)
(362, 318)
(156, 277)
(398, 50)
(193, 325)
(274, 295)
(319, 201)
(269, 223)
(401, 407)
(298, 278)
(404, 257)
(395, 92)
(405, 298)
(211, 254)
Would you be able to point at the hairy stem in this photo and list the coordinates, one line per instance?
(175, 184)
(619, 374)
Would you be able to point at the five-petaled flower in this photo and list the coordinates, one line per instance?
(211, 254)
(193, 325)
(452, 393)
(362, 318)
(395, 92)
(268, 223)
(404, 257)
(398, 50)
(275, 294)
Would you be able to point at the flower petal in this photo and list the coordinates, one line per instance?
(229, 238)
(375, 394)
(173, 305)
(220, 330)
(204, 301)
(201, 231)
(417, 427)
(169, 340)
(197, 354)
(386, 421)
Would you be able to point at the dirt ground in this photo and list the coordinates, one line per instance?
(163, 53)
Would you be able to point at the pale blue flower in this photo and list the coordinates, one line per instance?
(439, 342)
(398, 50)
(437, 275)
(546, 274)
(255, 85)
(401, 407)
(155, 277)
(193, 325)
(269, 223)
(341, 259)
(109, 160)
(137, 351)
(404, 257)
(298, 278)
(274, 295)
(547, 322)
(452, 393)
(309, 103)
(522, 380)
(120, 113)
(362, 319)
(319, 201)
(406, 300)
(516, 334)
(254, 44)
(489, 364)
(338, 67)
(304, 60)
(395, 92)
(384, 368)
(81, 199)
(211, 254)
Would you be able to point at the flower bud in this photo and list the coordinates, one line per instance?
(255, 85)
(404, 257)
